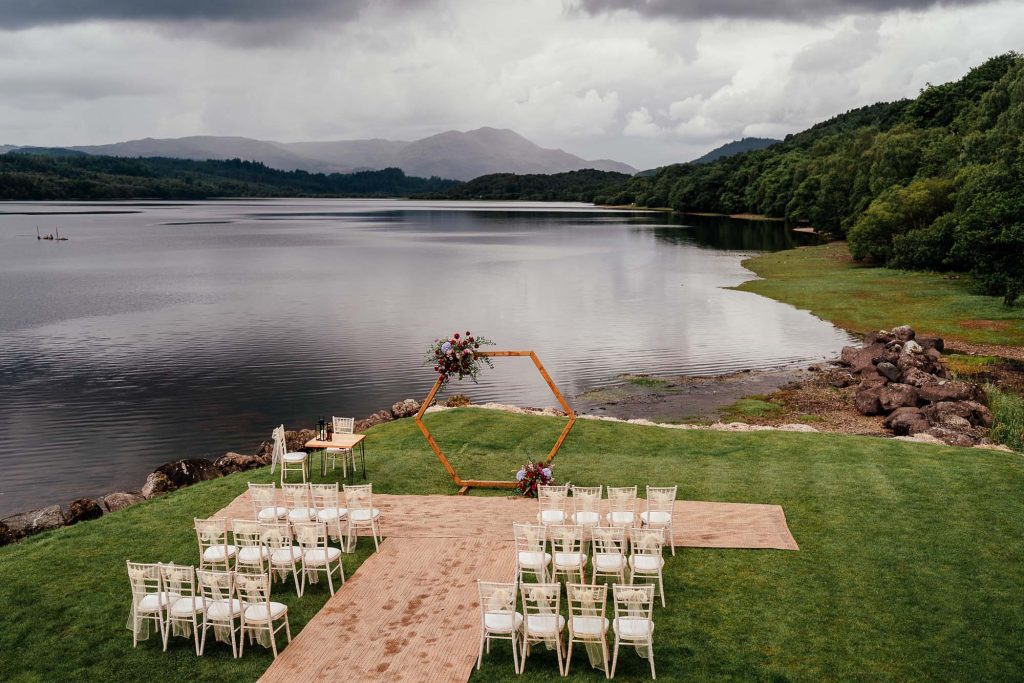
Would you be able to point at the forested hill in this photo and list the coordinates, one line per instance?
(59, 174)
(932, 183)
(735, 147)
(574, 186)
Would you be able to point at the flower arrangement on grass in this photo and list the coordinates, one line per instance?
(458, 356)
(531, 475)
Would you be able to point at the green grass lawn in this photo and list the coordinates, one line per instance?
(909, 565)
(825, 281)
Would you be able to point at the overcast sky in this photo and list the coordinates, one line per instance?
(647, 82)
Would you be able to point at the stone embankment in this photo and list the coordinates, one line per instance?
(170, 477)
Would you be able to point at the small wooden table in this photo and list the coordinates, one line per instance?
(346, 441)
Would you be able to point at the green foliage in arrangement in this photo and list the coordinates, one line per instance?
(934, 183)
(65, 175)
(904, 572)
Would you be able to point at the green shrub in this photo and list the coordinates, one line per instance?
(1007, 417)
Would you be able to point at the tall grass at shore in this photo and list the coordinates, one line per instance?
(1007, 417)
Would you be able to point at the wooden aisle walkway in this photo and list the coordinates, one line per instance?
(411, 613)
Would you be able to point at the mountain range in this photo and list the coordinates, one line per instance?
(454, 154)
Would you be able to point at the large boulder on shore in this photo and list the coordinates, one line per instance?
(889, 371)
(894, 395)
(178, 474)
(974, 413)
(35, 521)
(406, 408)
(953, 390)
(903, 333)
(916, 377)
(862, 359)
(907, 421)
(229, 463)
(81, 510)
(867, 400)
(7, 534)
(119, 500)
(380, 417)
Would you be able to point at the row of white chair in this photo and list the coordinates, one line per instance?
(233, 604)
(541, 621)
(320, 502)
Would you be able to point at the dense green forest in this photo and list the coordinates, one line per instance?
(57, 174)
(933, 183)
(574, 186)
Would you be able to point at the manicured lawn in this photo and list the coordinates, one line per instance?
(825, 281)
(909, 565)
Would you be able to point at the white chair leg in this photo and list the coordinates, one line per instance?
(615, 656)
(650, 658)
(241, 637)
(568, 658)
(515, 655)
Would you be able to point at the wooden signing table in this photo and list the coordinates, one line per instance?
(346, 441)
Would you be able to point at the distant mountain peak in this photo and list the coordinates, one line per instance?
(735, 147)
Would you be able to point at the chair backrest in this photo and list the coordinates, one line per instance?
(358, 497)
(344, 425)
(661, 498)
(216, 585)
(552, 497)
(248, 534)
(530, 537)
(646, 541)
(277, 454)
(324, 496)
(276, 535)
(622, 498)
(144, 579)
(609, 540)
(633, 601)
(253, 589)
(311, 534)
(211, 532)
(496, 598)
(263, 496)
(586, 600)
(566, 538)
(179, 578)
(586, 498)
(541, 598)
(295, 496)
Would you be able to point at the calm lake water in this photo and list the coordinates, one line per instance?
(169, 330)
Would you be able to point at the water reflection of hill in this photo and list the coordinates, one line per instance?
(723, 232)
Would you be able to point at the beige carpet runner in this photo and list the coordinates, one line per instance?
(410, 612)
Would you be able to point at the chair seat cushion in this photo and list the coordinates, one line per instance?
(646, 563)
(318, 557)
(252, 554)
(502, 622)
(224, 609)
(335, 451)
(298, 456)
(258, 611)
(633, 627)
(588, 626)
(656, 518)
(543, 624)
(363, 515)
(534, 559)
(585, 518)
(609, 563)
(186, 607)
(550, 516)
(301, 515)
(621, 518)
(272, 514)
(285, 556)
(331, 514)
(571, 560)
(152, 602)
(215, 553)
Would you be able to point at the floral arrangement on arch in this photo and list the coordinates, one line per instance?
(531, 475)
(457, 356)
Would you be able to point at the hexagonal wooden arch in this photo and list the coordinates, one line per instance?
(466, 484)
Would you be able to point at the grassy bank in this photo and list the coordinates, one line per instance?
(828, 283)
(908, 567)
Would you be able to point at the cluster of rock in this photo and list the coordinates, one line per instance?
(901, 376)
(173, 476)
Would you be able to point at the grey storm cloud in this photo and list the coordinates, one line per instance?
(789, 10)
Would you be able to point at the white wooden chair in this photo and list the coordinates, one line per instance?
(296, 461)
(342, 425)
(151, 602)
(531, 551)
(586, 506)
(587, 623)
(285, 556)
(259, 613)
(551, 501)
(223, 611)
(661, 502)
(327, 504)
(608, 553)
(265, 506)
(567, 556)
(214, 550)
(633, 623)
(645, 559)
(542, 622)
(498, 618)
(317, 556)
(182, 621)
(253, 556)
(297, 500)
(361, 514)
(621, 506)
